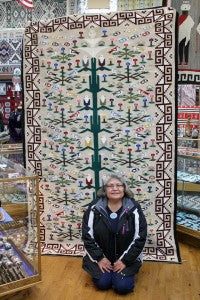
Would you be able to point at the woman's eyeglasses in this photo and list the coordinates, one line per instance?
(112, 186)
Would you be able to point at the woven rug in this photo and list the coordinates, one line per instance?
(188, 41)
(13, 14)
(10, 54)
(100, 98)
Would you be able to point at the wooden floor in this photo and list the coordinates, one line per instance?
(63, 279)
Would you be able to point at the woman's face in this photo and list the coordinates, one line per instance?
(114, 189)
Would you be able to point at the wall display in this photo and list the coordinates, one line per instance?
(2, 89)
(10, 54)
(188, 121)
(187, 94)
(19, 228)
(188, 40)
(13, 15)
(6, 104)
(9, 100)
(16, 80)
(102, 99)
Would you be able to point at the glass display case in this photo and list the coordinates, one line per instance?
(20, 260)
(13, 152)
(188, 165)
(188, 176)
(188, 198)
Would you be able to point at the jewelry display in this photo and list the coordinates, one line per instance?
(11, 265)
(188, 177)
(188, 220)
(19, 227)
(188, 166)
(15, 198)
(190, 201)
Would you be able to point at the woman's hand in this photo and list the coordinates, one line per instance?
(118, 266)
(105, 265)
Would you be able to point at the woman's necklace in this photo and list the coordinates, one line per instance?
(113, 215)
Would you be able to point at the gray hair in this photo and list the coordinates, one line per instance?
(102, 191)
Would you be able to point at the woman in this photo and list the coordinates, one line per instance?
(114, 233)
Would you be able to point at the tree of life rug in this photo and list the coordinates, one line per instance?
(99, 97)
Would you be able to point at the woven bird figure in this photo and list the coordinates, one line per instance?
(102, 61)
(102, 100)
(89, 180)
(85, 61)
(86, 101)
(88, 141)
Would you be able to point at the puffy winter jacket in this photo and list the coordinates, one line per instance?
(129, 239)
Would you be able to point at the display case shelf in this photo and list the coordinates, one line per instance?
(188, 235)
(188, 186)
(11, 149)
(189, 156)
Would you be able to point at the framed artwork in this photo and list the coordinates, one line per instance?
(2, 88)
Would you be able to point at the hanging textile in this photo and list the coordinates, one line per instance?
(100, 97)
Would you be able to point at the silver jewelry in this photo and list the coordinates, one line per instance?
(113, 215)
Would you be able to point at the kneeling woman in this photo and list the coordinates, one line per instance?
(114, 233)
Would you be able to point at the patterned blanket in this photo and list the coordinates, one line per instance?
(10, 54)
(100, 98)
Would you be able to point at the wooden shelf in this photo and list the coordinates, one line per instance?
(188, 235)
(16, 210)
(188, 139)
(11, 148)
(9, 151)
(188, 186)
(188, 210)
(189, 156)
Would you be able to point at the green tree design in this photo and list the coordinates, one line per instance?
(95, 122)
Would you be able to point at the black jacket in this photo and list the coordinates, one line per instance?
(129, 239)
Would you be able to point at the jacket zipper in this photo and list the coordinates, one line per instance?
(115, 247)
(125, 224)
(105, 214)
